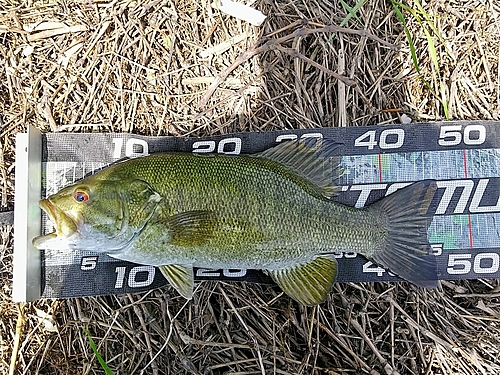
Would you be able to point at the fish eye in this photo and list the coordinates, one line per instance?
(81, 196)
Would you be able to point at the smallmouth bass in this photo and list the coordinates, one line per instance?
(270, 211)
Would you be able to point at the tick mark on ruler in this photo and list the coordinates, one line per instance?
(469, 221)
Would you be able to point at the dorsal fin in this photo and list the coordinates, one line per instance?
(314, 159)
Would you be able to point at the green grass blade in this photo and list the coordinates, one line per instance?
(443, 101)
(402, 6)
(432, 50)
(352, 11)
(101, 360)
(398, 8)
(413, 52)
(428, 19)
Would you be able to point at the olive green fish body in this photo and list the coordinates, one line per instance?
(261, 214)
(269, 211)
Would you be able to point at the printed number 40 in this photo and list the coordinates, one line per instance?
(389, 138)
(369, 267)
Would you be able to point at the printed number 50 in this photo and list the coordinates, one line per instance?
(451, 135)
(483, 263)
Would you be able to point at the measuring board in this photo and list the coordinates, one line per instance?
(464, 158)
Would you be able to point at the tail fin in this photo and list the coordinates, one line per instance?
(407, 250)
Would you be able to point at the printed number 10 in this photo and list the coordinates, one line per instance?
(132, 282)
(133, 148)
(389, 139)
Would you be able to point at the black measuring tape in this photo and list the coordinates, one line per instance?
(464, 158)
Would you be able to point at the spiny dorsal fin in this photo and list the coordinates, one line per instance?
(313, 159)
(307, 283)
(180, 277)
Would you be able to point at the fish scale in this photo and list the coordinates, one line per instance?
(282, 212)
(269, 211)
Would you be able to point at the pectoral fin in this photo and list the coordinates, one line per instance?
(191, 228)
(180, 277)
(307, 283)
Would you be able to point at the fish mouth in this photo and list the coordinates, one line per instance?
(65, 224)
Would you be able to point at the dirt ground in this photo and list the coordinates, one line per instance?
(183, 68)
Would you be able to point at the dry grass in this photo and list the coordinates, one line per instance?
(130, 66)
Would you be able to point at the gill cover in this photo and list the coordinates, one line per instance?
(108, 214)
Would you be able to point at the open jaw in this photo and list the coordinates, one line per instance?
(65, 224)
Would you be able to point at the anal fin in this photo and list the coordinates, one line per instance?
(180, 277)
(308, 283)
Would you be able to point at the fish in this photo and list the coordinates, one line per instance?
(275, 211)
